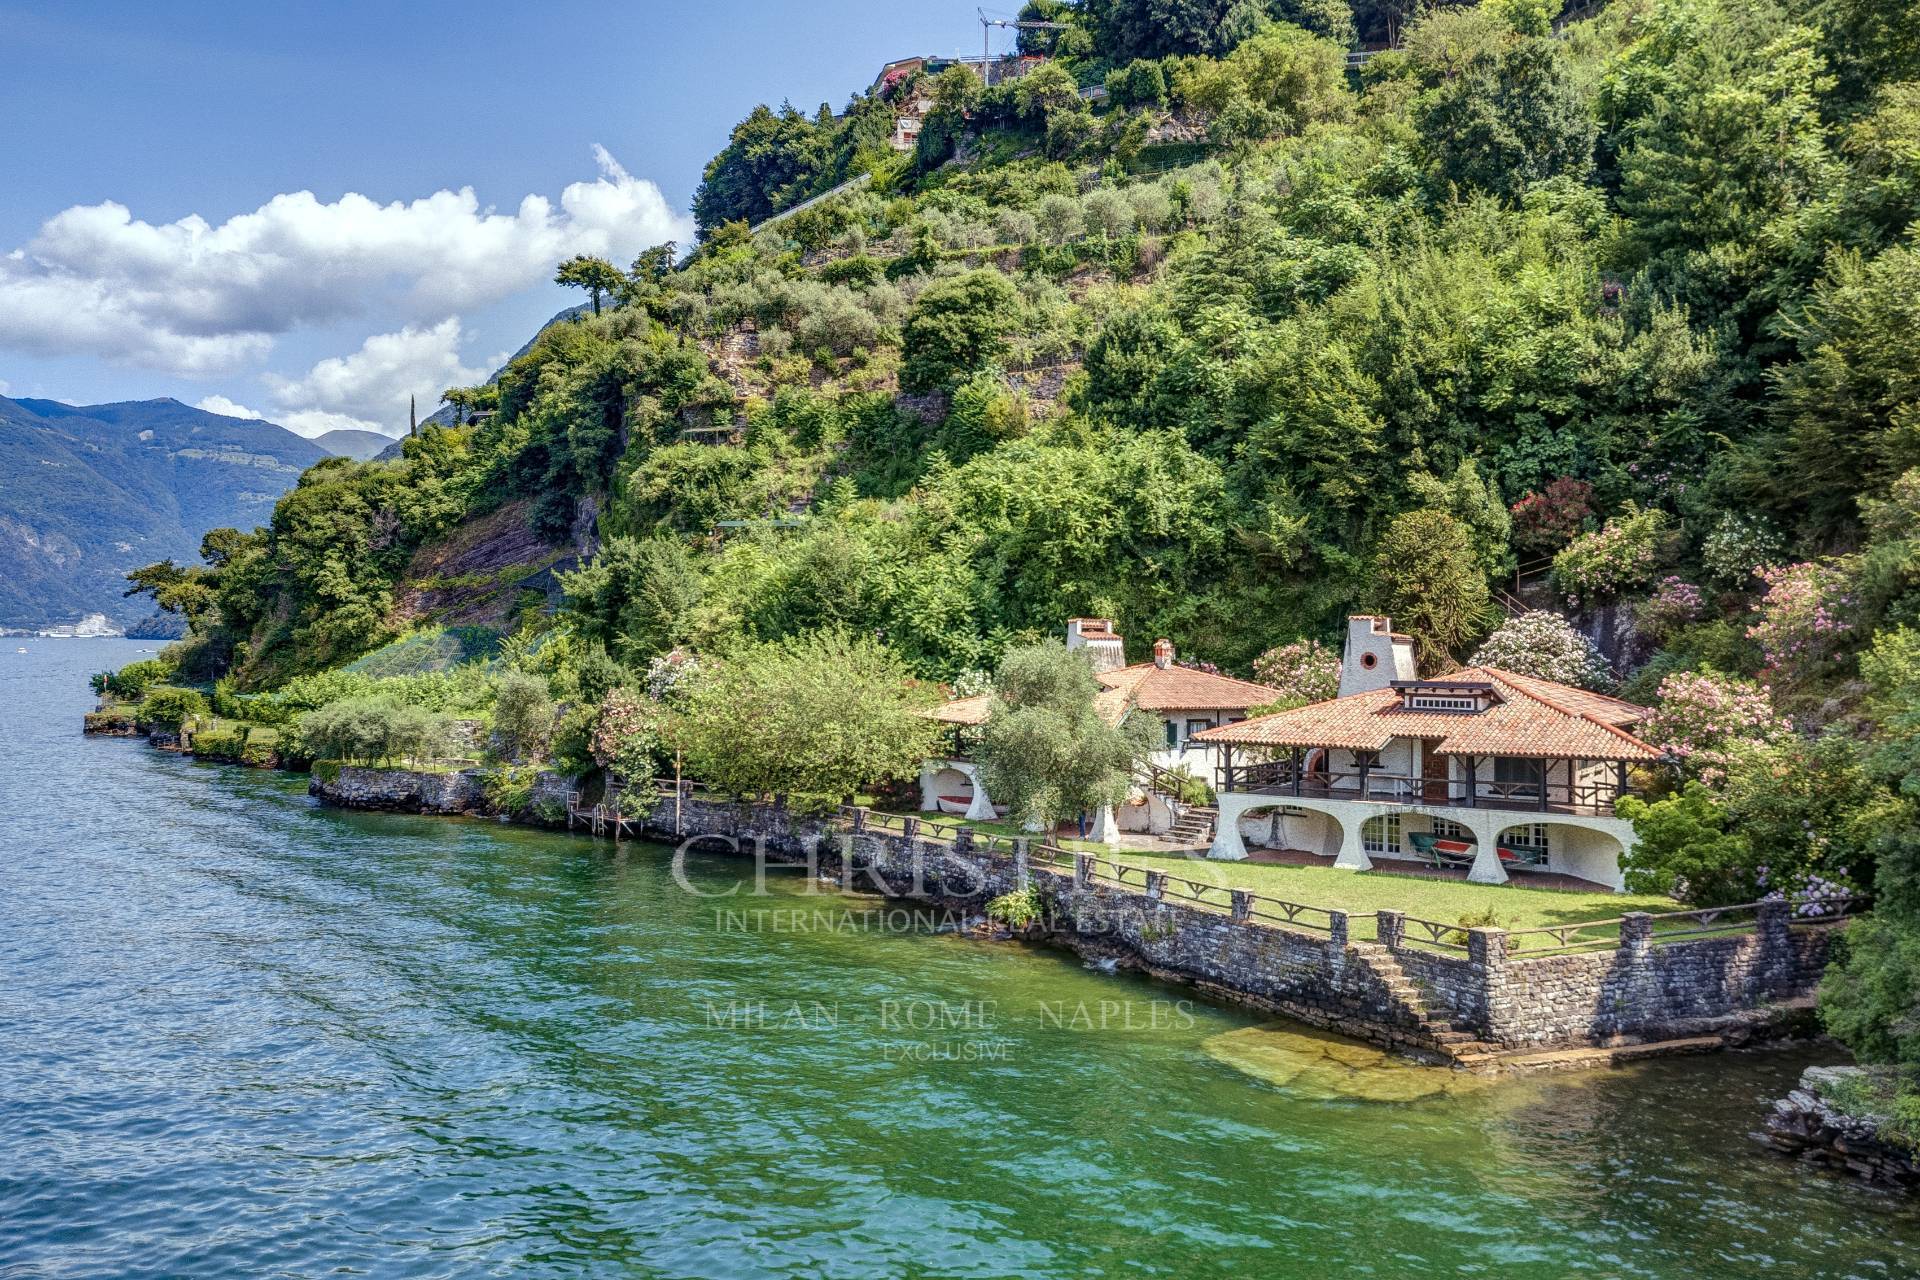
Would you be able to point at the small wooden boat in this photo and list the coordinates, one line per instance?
(953, 804)
(1443, 851)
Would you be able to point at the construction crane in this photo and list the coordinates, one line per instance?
(1015, 24)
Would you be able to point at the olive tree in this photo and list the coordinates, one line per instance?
(1045, 751)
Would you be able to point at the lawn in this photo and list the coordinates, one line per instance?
(1361, 893)
(1365, 892)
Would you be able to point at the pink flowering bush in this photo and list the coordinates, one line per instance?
(1705, 720)
(1676, 603)
(1599, 567)
(1303, 671)
(1803, 619)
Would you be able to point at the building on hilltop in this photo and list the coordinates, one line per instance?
(1481, 769)
(911, 80)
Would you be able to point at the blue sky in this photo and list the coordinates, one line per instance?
(152, 236)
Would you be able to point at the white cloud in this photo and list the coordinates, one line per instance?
(372, 386)
(225, 407)
(193, 298)
(6, 388)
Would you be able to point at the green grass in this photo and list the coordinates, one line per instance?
(1365, 892)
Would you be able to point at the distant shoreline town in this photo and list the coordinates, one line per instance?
(93, 626)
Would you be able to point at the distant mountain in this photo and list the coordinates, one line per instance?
(88, 492)
(348, 443)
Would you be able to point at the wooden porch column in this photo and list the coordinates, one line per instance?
(1364, 760)
(1473, 782)
(1299, 761)
(1546, 772)
(1226, 766)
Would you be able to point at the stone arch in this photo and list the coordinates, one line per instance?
(1281, 824)
(1587, 850)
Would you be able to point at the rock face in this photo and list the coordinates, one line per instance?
(1807, 1126)
(401, 790)
(416, 791)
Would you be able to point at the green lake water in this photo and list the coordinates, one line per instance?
(243, 1035)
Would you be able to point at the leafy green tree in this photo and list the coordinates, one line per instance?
(1045, 752)
(1430, 582)
(769, 162)
(167, 707)
(523, 716)
(824, 715)
(955, 329)
(595, 275)
(1475, 502)
(372, 730)
(1502, 108)
(636, 597)
(1682, 845)
(1140, 83)
(1849, 408)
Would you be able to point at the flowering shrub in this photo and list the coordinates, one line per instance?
(1545, 645)
(1600, 566)
(1803, 617)
(1739, 547)
(1553, 517)
(1303, 671)
(625, 737)
(1705, 719)
(1675, 603)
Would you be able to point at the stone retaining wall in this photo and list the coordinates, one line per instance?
(1638, 989)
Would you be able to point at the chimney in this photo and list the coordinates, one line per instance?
(1163, 653)
(1375, 657)
(1105, 650)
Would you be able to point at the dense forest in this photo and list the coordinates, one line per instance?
(1205, 327)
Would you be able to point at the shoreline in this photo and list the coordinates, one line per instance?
(1480, 1010)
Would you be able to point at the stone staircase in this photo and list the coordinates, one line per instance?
(1433, 1032)
(1194, 827)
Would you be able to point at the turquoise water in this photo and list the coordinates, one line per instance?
(241, 1035)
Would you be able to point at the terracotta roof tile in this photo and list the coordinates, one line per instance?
(1177, 688)
(969, 711)
(1110, 704)
(1535, 718)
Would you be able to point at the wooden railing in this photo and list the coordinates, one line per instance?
(1279, 777)
(1679, 926)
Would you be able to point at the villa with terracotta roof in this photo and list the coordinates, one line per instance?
(1185, 700)
(1481, 769)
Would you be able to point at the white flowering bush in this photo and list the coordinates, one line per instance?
(1544, 645)
(1739, 547)
(1302, 671)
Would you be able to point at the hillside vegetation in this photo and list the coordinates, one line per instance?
(1614, 320)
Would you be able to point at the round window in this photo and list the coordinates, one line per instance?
(1369, 661)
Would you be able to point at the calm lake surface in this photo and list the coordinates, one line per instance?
(241, 1035)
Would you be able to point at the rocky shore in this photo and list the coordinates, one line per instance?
(1809, 1125)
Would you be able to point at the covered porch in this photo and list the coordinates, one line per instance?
(1483, 844)
(1415, 771)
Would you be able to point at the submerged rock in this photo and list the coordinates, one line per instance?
(1327, 1067)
